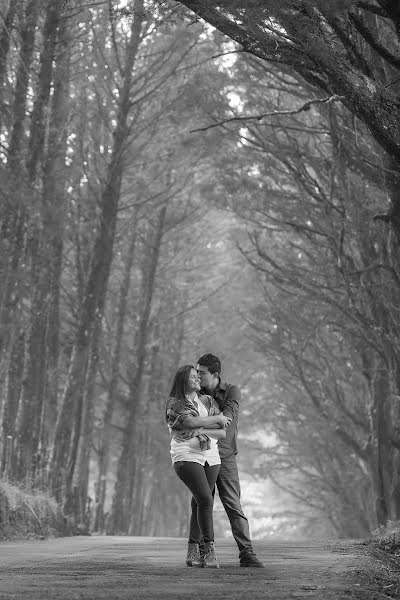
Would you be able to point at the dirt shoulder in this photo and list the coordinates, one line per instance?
(148, 568)
(376, 572)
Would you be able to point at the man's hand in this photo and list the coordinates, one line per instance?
(224, 421)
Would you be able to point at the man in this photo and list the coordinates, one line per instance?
(227, 397)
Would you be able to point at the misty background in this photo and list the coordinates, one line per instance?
(145, 221)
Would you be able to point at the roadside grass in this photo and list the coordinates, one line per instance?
(381, 572)
(387, 539)
(28, 515)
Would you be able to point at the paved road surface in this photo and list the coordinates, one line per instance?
(122, 568)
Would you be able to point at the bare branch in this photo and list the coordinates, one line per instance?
(306, 106)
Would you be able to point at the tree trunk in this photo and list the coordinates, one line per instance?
(12, 393)
(77, 478)
(383, 448)
(145, 451)
(54, 11)
(13, 224)
(112, 392)
(22, 82)
(5, 39)
(395, 419)
(53, 227)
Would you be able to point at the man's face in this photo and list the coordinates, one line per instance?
(207, 379)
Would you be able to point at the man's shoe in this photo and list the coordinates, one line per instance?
(193, 558)
(249, 559)
(210, 558)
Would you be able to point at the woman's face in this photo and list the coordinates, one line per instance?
(193, 384)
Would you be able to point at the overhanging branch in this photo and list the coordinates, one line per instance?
(376, 44)
(261, 44)
(306, 106)
(376, 10)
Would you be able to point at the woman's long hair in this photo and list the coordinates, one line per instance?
(180, 382)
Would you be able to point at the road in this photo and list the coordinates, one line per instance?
(122, 568)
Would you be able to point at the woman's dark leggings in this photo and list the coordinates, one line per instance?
(200, 481)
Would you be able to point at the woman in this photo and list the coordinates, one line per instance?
(196, 424)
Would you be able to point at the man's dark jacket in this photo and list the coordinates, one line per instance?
(227, 397)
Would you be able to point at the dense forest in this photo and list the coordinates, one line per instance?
(188, 177)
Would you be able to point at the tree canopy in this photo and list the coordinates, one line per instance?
(348, 49)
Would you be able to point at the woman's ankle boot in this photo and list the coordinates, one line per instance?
(193, 556)
(210, 558)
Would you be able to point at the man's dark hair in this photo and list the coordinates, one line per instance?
(212, 363)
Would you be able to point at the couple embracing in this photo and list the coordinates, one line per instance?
(202, 416)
